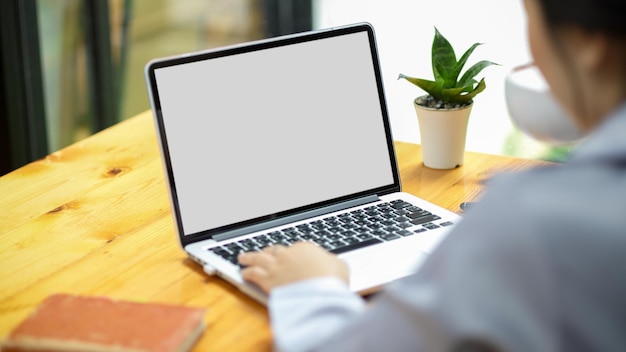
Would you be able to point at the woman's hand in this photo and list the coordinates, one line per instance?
(279, 265)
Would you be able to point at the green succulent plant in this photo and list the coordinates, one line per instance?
(447, 86)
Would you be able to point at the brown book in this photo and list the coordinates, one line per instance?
(82, 323)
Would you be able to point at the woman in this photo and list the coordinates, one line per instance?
(537, 265)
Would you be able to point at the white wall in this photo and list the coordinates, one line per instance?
(404, 31)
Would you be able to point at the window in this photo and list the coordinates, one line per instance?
(81, 68)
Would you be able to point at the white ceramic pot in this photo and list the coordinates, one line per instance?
(442, 134)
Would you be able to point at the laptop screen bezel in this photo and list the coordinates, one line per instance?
(150, 77)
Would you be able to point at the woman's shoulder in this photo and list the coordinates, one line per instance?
(580, 191)
(548, 203)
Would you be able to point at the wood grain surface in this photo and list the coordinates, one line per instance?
(94, 218)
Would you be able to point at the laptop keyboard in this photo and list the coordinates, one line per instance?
(344, 232)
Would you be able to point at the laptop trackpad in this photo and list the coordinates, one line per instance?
(378, 265)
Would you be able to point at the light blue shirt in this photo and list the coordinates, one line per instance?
(538, 265)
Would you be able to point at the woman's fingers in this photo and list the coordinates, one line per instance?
(256, 275)
(280, 265)
(259, 266)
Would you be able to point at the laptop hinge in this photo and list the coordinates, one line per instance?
(296, 217)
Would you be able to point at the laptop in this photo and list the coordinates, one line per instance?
(288, 139)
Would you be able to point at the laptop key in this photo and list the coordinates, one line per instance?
(389, 237)
(374, 226)
(309, 237)
(354, 246)
(392, 229)
(402, 219)
(277, 237)
(362, 222)
(333, 237)
(236, 251)
(346, 219)
(418, 214)
(337, 243)
(425, 219)
(262, 239)
(404, 233)
(388, 223)
(220, 251)
(379, 232)
(401, 212)
(307, 230)
(347, 233)
(327, 246)
(351, 240)
(232, 246)
(400, 204)
(249, 246)
(431, 226)
(320, 227)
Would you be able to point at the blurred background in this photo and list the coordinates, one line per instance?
(73, 67)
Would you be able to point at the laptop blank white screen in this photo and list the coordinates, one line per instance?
(258, 133)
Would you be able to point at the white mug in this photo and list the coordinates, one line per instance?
(534, 110)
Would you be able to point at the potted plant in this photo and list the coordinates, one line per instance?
(444, 111)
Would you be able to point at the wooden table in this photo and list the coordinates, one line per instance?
(94, 219)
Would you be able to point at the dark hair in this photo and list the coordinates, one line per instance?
(606, 16)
